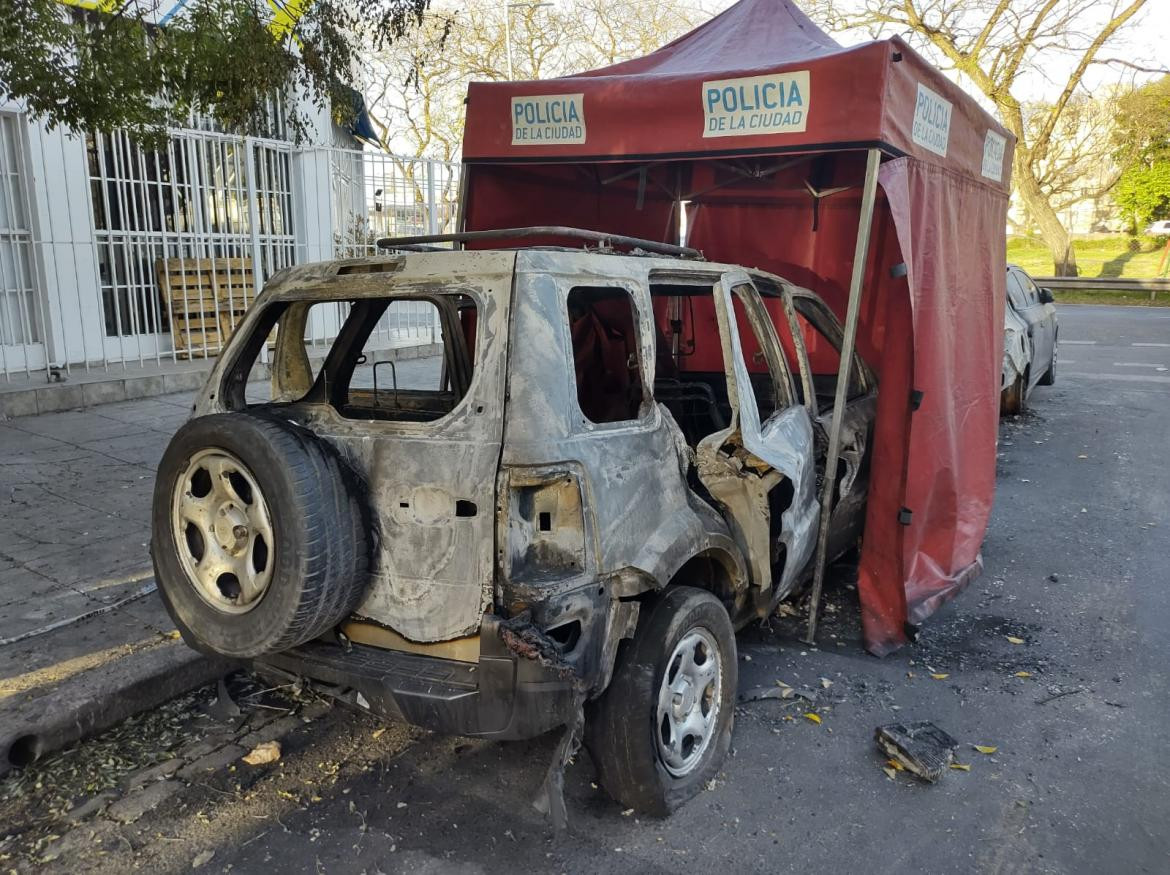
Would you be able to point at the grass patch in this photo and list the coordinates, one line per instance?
(1130, 299)
(1107, 256)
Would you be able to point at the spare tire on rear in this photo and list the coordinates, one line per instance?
(259, 535)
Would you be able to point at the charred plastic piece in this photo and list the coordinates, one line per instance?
(923, 748)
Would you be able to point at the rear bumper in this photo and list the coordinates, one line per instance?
(503, 696)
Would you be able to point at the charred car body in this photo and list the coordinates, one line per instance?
(615, 467)
(1030, 340)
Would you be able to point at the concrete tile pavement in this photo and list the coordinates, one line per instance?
(75, 500)
(75, 495)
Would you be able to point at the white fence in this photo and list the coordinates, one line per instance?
(180, 233)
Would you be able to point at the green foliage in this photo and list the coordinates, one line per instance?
(1142, 124)
(94, 70)
(1144, 192)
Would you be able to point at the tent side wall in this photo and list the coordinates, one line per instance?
(950, 230)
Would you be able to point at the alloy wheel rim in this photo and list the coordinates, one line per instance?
(689, 700)
(223, 531)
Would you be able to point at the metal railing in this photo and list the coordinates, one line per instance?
(1103, 284)
(166, 247)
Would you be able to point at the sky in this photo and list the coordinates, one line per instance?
(1146, 42)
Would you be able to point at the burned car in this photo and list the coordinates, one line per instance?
(612, 466)
(1030, 340)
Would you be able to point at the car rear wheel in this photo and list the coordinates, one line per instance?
(259, 539)
(663, 727)
(1011, 401)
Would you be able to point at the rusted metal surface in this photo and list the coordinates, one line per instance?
(571, 521)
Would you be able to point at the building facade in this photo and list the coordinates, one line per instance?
(114, 256)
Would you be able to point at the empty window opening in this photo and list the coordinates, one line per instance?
(821, 333)
(606, 361)
(691, 373)
(464, 508)
(349, 354)
(544, 522)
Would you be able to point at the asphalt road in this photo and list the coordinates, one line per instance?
(1076, 568)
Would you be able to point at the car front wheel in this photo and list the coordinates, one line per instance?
(1050, 375)
(663, 727)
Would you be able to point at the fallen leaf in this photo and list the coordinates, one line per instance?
(1023, 674)
(202, 858)
(940, 677)
(890, 773)
(1012, 639)
(377, 733)
(895, 765)
(265, 752)
(176, 634)
(815, 718)
(985, 748)
(960, 767)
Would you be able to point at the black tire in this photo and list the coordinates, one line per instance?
(621, 725)
(1049, 377)
(320, 551)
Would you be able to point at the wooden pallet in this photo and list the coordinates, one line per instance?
(207, 298)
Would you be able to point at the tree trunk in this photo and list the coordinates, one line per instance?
(1064, 260)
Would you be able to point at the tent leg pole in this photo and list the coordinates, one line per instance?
(860, 256)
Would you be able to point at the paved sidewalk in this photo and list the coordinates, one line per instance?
(75, 494)
(84, 640)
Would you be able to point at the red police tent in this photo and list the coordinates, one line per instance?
(757, 126)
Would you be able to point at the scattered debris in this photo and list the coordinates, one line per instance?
(939, 676)
(985, 748)
(780, 691)
(960, 767)
(921, 747)
(757, 694)
(1012, 639)
(815, 718)
(1054, 577)
(265, 752)
(202, 859)
(1059, 695)
(223, 707)
(1023, 674)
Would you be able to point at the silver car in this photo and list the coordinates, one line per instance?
(1030, 340)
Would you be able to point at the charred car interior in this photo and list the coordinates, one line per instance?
(613, 463)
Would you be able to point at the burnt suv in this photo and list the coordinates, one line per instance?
(610, 464)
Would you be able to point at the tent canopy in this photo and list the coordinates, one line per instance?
(749, 135)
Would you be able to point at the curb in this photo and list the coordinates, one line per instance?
(35, 725)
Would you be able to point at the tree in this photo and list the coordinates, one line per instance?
(416, 85)
(114, 66)
(1080, 164)
(993, 44)
(1142, 140)
(1143, 123)
(1144, 193)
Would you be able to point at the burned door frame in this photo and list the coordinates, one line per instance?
(773, 468)
(846, 517)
